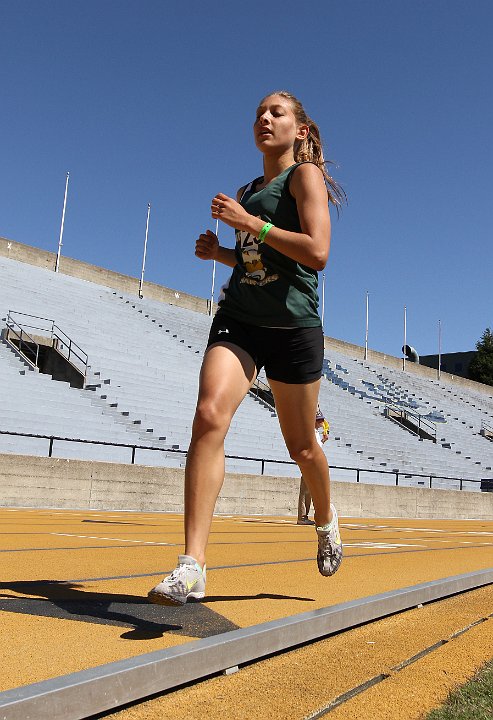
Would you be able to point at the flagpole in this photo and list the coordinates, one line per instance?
(60, 243)
(439, 348)
(404, 348)
(366, 328)
(211, 308)
(145, 251)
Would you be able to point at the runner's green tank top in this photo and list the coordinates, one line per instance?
(267, 288)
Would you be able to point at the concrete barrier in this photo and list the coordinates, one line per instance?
(37, 482)
(100, 276)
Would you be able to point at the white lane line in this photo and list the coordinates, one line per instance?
(392, 527)
(113, 539)
(382, 546)
(454, 541)
(369, 545)
(409, 529)
(291, 521)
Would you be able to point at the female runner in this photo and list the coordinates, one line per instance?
(267, 317)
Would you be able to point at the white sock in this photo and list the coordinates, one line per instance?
(328, 526)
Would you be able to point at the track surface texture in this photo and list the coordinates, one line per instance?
(73, 596)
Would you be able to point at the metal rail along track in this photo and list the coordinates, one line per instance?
(108, 687)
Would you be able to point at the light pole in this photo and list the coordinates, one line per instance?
(366, 327)
(439, 348)
(405, 332)
(145, 251)
(60, 243)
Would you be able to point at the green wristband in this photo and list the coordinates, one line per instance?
(263, 233)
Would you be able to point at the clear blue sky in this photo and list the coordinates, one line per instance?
(152, 101)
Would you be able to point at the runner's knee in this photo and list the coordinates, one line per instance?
(303, 453)
(210, 417)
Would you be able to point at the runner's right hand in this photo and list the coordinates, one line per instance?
(207, 246)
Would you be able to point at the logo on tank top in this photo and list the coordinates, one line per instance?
(256, 273)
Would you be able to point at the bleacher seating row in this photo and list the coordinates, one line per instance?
(141, 389)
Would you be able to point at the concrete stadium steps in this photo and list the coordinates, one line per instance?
(31, 402)
(461, 430)
(188, 327)
(139, 369)
(458, 432)
(145, 357)
(374, 437)
(428, 394)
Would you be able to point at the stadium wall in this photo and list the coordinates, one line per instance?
(125, 283)
(28, 481)
(100, 276)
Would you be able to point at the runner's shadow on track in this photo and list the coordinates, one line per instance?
(260, 596)
(69, 601)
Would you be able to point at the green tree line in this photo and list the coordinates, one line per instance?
(481, 367)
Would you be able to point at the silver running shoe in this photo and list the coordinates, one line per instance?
(186, 582)
(329, 555)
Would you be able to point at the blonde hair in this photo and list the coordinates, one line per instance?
(311, 149)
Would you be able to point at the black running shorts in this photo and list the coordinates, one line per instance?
(292, 355)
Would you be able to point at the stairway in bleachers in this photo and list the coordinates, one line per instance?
(145, 358)
(462, 452)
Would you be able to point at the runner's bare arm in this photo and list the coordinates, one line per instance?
(311, 246)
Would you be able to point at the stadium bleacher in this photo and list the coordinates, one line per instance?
(141, 388)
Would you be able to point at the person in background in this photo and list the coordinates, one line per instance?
(305, 499)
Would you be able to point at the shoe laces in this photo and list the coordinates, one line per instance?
(178, 573)
(325, 544)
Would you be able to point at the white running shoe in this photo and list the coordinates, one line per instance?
(186, 582)
(329, 555)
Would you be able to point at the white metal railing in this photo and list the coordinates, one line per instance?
(17, 322)
(408, 419)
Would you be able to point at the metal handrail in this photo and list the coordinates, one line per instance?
(486, 430)
(419, 420)
(83, 358)
(56, 333)
(11, 323)
(397, 473)
(264, 387)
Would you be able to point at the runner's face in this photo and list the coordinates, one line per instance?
(275, 127)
